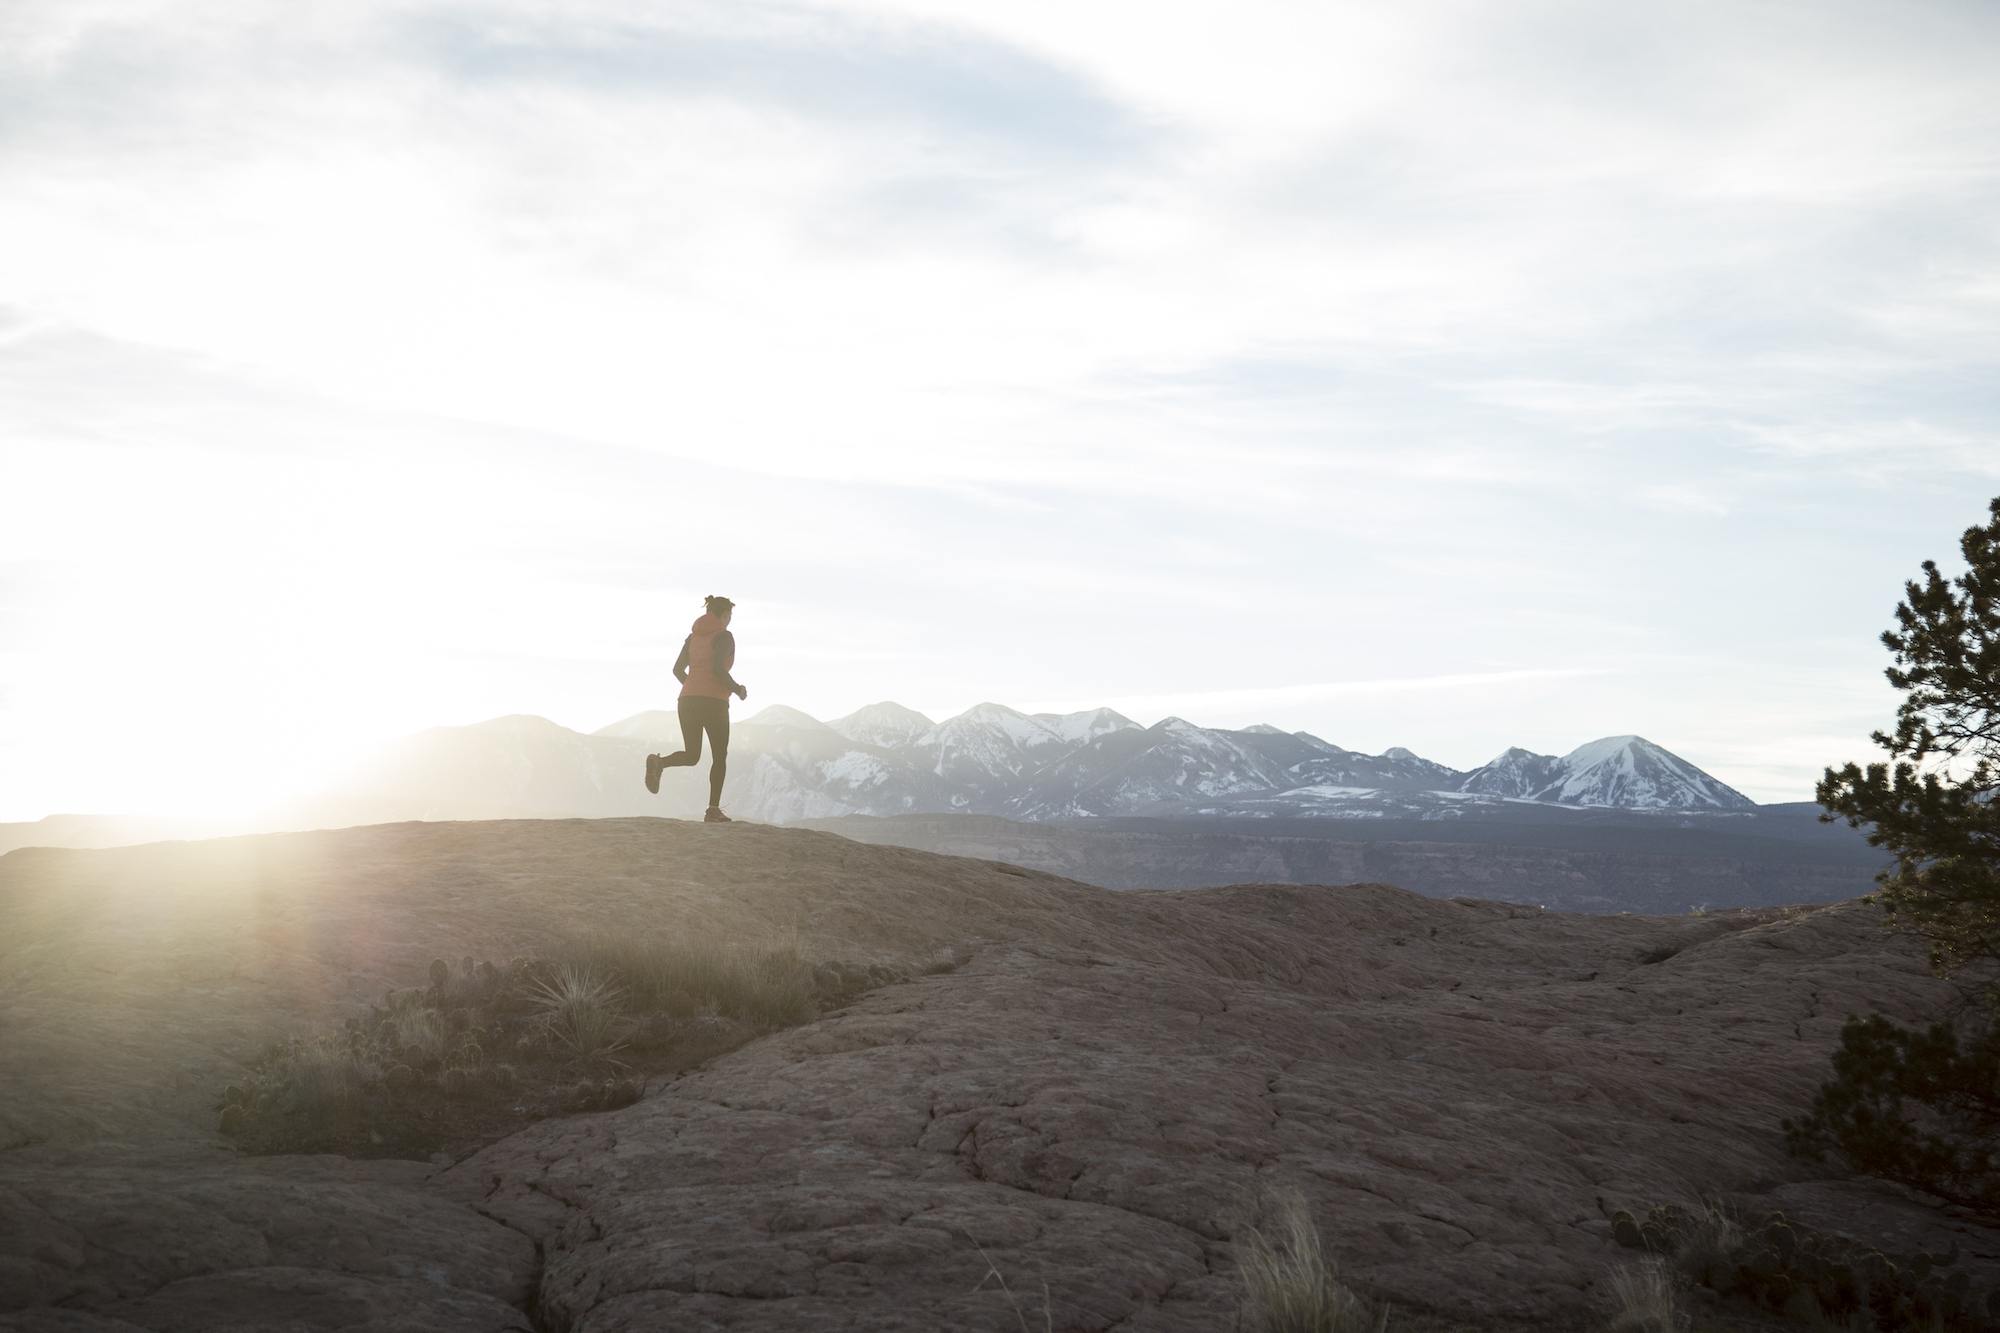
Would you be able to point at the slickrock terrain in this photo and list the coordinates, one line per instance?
(1088, 1109)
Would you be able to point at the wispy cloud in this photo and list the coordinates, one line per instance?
(1041, 349)
(948, 81)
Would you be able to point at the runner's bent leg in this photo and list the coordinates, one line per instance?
(690, 751)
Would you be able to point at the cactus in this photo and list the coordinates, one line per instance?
(440, 974)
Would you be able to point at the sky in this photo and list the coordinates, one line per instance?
(1445, 375)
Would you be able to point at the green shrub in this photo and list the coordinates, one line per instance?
(1912, 1106)
(1781, 1268)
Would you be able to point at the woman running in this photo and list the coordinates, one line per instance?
(703, 671)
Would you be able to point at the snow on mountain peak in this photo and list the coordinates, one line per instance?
(1633, 772)
(988, 739)
(887, 725)
(1016, 726)
(1607, 747)
(1515, 754)
(1514, 773)
(1086, 726)
(991, 759)
(778, 715)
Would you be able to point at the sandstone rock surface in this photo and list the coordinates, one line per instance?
(1072, 1126)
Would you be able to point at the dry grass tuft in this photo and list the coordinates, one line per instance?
(768, 988)
(1710, 1241)
(1645, 1299)
(1289, 1284)
(1020, 1315)
(328, 1073)
(482, 1047)
(421, 1031)
(580, 1008)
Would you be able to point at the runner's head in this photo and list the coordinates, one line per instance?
(720, 607)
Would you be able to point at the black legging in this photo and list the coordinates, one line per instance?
(699, 715)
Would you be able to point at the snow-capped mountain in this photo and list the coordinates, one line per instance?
(1136, 770)
(1082, 728)
(985, 749)
(886, 759)
(1395, 769)
(1633, 773)
(1289, 750)
(1513, 773)
(888, 725)
(799, 764)
(778, 715)
(1627, 772)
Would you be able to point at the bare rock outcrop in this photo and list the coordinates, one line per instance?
(1465, 1091)
(1072, 1127)
(199, 1241)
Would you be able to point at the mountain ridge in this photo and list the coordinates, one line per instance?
(887, 759)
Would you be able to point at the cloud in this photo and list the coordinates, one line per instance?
(1071, 341)
(947, 83)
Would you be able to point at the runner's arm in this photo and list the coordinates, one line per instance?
(725, 658)
(681, 662)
